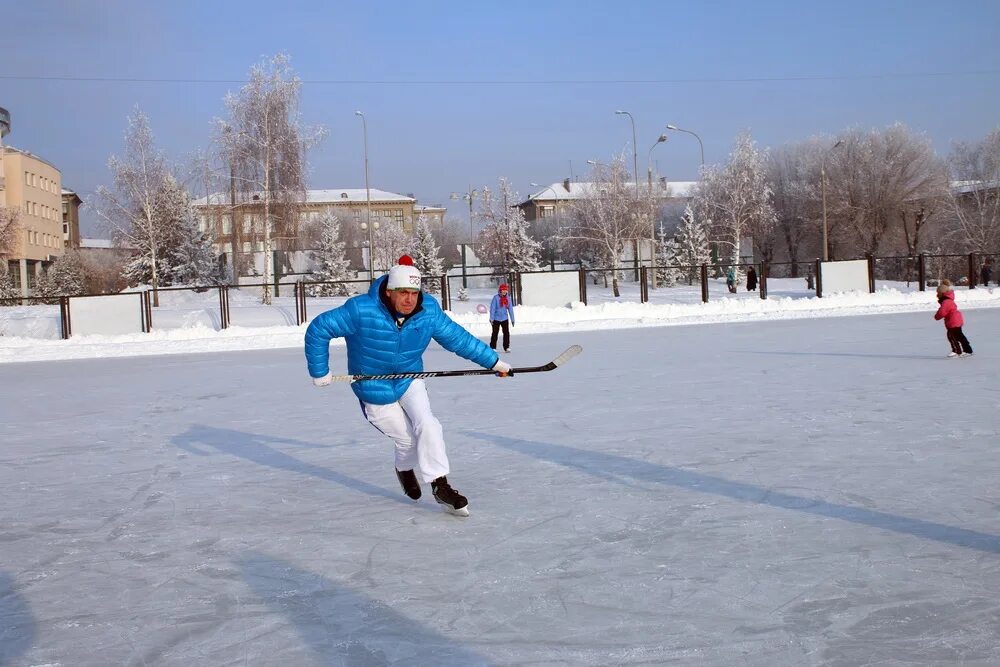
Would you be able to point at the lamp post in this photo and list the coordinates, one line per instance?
(470, 197)
(700, 145)
(652, 222)
(635, 154)
(368, 215)
(822, 173)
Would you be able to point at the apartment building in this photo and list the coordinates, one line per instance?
(71, 219)
(33, 187)
(556, 199)
(239, 228)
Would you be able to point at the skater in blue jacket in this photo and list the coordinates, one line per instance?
(387, 331)
(501, 311)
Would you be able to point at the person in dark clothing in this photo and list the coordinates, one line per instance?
(986, 273)
(751, 279)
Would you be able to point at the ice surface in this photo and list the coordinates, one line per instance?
(798, 492)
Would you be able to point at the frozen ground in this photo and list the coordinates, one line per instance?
(800, 492)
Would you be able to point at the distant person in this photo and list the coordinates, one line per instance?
(731, 279)
(986, 273)
(751, 280)
(953, 320)
(501, 312)
(387, 331)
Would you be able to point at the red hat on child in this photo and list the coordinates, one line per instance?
(503, 287)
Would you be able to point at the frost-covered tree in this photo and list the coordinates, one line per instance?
(9, 230)
(794, 172)
(183, 253)
(7, 289)
(129, 209)
(391, 242)
(693, 246)
(426, 254)
(736, 199)
(668, 260)
(504, 241)
(976, 201)
(610, 216)
(331, 260)
(880, 178)
(192, 259)
(64, 278)
(266, 143)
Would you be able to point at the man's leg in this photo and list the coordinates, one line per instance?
(392, 421)
(426, 432)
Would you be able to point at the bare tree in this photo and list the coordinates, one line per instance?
(736, 199)
(601, 223)
(129, 211)
(794, 175)
(880, 177)
(976, 196)
(266, 143)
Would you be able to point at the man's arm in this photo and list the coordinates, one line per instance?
(335, 323)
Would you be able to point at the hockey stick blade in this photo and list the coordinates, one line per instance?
(568, 354)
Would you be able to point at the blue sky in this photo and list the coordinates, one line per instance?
(460, 93)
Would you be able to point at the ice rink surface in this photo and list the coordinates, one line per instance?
(800, 492)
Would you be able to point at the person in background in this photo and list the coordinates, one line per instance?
(501, 312)
(387, 331)
(751, 279)
(953, 320)
(986, 273)
(731, 279)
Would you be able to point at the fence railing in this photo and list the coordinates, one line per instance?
(969, 270)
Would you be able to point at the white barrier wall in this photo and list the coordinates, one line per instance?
(108, 315)
(550, 289)
(850, 276)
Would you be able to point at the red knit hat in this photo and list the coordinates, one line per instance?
(503, 287)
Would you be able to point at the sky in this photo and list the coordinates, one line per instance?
(459, 94)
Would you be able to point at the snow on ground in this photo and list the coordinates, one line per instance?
(798, 492)
(190, 322)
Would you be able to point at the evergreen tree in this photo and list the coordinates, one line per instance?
(669, 258)
(425, 255)
(693, 247)
(192, 260)
(7, 289)
(64, 278)
(505, 240)
(331, 261)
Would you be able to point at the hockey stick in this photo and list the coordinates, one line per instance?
(570, 352)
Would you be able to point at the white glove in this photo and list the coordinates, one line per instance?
(323, 381)
(502, 368)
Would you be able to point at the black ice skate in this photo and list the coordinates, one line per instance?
(408, 480)
(452, 500)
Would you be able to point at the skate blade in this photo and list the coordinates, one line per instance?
(464, 511)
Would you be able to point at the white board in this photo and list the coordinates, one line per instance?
(108, 315)
(550, 289)
(850, 276)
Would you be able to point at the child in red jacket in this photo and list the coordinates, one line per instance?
(953, 320)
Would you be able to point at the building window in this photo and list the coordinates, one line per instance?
(227, 247)
(246, 246)
(397, 216)
(27, 178)
(202, 223)
(227, 224)
(246, 224)
(260, 246)
(15, 274)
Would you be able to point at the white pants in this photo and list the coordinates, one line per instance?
(417, 433)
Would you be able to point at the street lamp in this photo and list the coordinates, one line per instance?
(470, 197)
(635, 155)
(701, 145)
(368, 215)
(822, 172)
(649, 161)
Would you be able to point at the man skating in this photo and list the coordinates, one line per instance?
(387, 331)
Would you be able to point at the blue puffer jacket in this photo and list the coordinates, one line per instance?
(377, 346)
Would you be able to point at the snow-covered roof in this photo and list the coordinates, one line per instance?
(964, 187)
(96, 243)
(421, 208)
(581, 190)
(334, 196)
